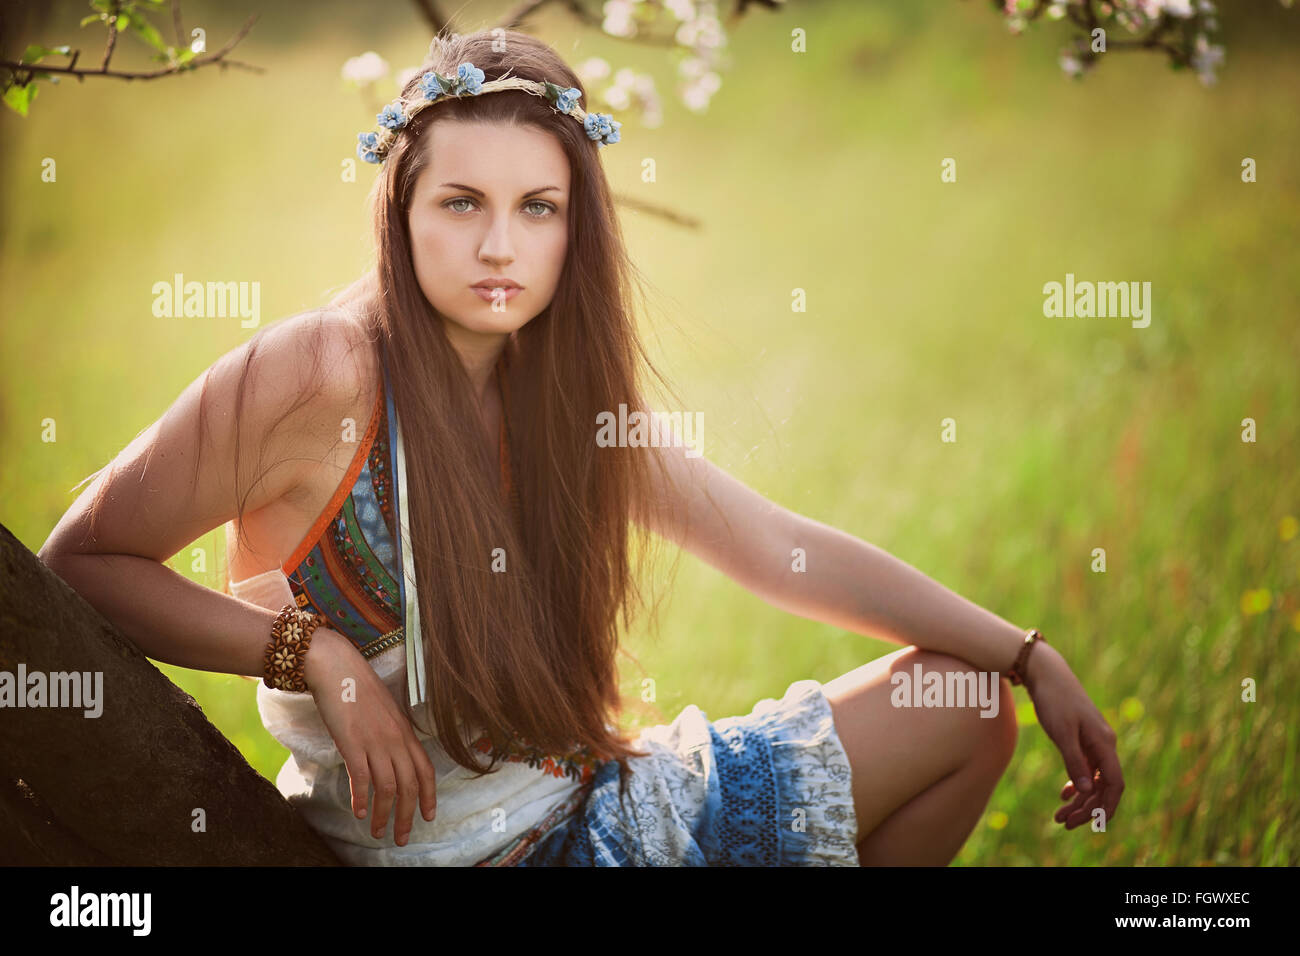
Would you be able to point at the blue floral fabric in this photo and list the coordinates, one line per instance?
(771, 788)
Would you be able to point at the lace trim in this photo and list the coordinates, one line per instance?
(818, 821)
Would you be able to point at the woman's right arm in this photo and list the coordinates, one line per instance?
(156, 501)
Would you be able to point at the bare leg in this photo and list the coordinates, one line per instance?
(922, 776)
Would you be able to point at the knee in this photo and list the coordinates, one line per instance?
(992, 734)
(1003, 730)
(996, 733)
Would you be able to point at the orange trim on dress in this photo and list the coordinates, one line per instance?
(341, 493)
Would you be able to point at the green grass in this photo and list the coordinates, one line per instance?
(817, 171)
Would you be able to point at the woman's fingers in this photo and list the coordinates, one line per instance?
(385, 783)
(1101, 744)
(407, 791)
(359, 779)
(1076, 764)
(402, 772)
(1080, 799)
(1083, 814)
(381, 754)
(427, 776)
(1107, 783)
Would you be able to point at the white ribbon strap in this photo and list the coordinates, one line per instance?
(414, 643)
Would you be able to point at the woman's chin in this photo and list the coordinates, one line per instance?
(488, 322)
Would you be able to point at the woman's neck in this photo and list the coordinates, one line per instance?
(480, 362)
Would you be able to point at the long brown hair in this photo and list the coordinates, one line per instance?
(531, 652)
(529, 655)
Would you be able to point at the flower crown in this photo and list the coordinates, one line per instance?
(374, 146)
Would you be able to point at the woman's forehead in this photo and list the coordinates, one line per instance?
(501, 153)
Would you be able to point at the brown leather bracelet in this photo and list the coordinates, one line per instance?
(286, 653)
(1017, 672)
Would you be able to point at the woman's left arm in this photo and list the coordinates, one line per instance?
(818, 572)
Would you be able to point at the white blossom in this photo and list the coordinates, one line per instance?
(618, 18)
(703, 31)
(681, 9)
(1205, 58)
(1175, 8)
(366, 68)
(696, 95)
(593, 68)
(692, 67)
(617, 97)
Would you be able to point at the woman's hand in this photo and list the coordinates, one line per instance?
(1080, 732)
(373, 735)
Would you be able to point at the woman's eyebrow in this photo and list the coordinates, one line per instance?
(479, 192)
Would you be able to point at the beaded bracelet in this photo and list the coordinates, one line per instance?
(286, 653)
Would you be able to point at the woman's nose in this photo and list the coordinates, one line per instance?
(497, 246)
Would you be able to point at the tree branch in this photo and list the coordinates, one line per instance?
(585, 17)
(176, 19)
(112, 39)
(663, 212)
(31, 69)
(512, 20)
(431, 15)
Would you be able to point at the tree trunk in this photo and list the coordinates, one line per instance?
(149, 781)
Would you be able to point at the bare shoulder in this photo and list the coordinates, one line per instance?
(332, 362)
(334, 353)
(253, 429)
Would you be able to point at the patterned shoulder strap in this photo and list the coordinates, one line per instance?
(406, 561)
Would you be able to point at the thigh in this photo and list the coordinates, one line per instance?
(896, 752)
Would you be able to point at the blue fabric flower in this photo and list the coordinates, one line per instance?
(602, 127)
(596, 125)
(392, 117)
(469, 78)
(431, 86)
(367, 143)
(568, 99)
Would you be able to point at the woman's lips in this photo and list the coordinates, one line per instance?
(505, 293)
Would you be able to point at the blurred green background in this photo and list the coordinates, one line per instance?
(817, 171)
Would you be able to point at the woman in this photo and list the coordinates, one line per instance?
(474, 510)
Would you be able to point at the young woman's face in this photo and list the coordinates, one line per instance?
(492, 204)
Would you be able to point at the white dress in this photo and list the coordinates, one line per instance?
(474, 819)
